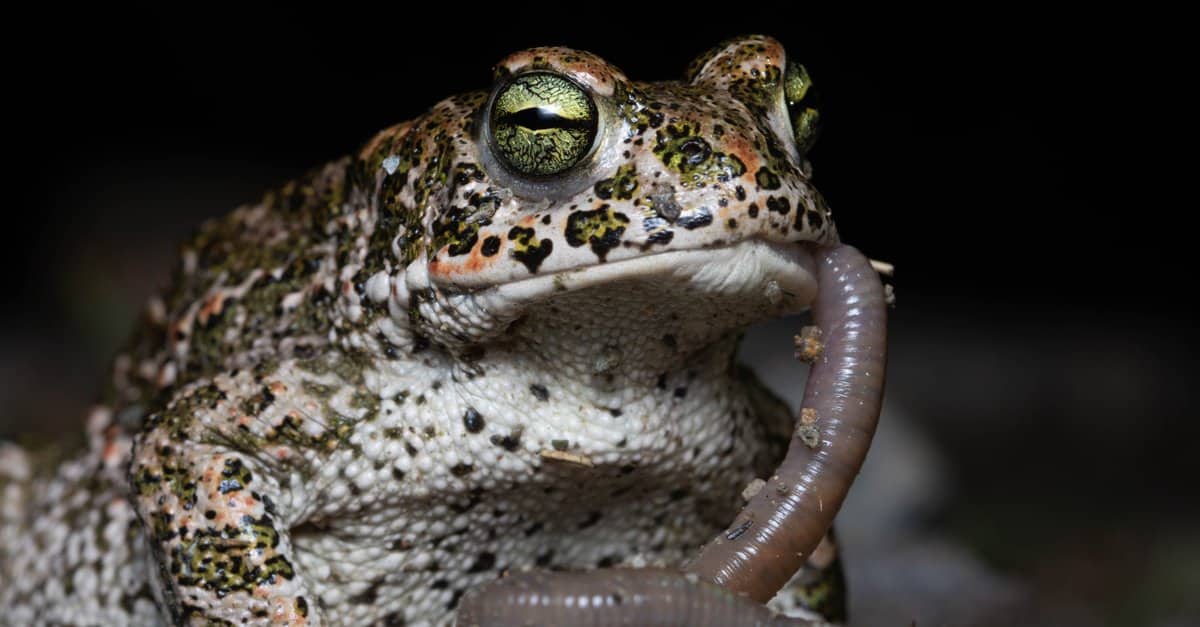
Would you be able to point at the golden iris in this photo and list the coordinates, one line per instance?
(542, 124)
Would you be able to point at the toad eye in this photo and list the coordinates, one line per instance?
(797, 91)
(542, 124)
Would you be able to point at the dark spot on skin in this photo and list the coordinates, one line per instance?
(539, 392)
(490, 247)
(461, 470)
(696, 219)
(669, 340)
(532, 529)
(731, 223)
(465, 173)
(560, 445)
(400, 545)
(601, 228)
(210, 514)
(484, 562)
(592, 518)
(528, 249)
(509, 442)
(465, 506)
(678, 494)
(234, 476)
(544, 559)
(621, 186)
(546, 219)
(662, 381)
(752, 210)
(767, 179)
(439, 584)
(661, 237)
(473, 353)
(368, 596)
(453, 603)
(680, 392)
(397, 474)
(473, 421)
(779, 205)
(739, 192)
(607, 561)
(454, 230)
(815, 219)
(615, 412)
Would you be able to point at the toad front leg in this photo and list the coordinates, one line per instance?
(217, 514)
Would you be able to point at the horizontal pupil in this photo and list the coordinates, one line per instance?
(540, 118)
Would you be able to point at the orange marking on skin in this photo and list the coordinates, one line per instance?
(527, 221)
(213, 305)
(741, 148)
(444, 268)
(277, 387)
(476, 261)
(110, 452)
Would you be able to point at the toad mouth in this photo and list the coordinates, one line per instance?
(782, 273)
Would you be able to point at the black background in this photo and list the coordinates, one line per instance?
(1015, 169)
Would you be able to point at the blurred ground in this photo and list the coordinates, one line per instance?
(1035, 459)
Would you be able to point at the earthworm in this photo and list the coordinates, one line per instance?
(646, 596)
(778, 529)
(782, 524)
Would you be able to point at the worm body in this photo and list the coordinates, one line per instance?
(777, 531)
(648, 597)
